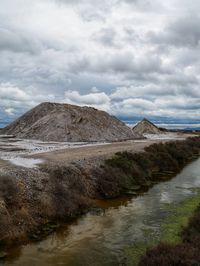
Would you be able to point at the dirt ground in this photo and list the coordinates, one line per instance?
(3, 163)
(104, 150)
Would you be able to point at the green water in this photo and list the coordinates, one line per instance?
(115, 235)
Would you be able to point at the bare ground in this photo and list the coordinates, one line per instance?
(94, 152)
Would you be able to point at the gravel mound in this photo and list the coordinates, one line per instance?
(146, 127)
(65, 122)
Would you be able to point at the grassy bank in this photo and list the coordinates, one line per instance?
(33, 202)
(180, 240)
(155, 250)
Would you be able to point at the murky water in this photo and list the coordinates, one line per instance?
(100, 239)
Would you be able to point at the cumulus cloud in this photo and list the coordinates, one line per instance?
(10, 111)
(131, 58)
(14, 100)
(11, 92)
(99, 100)
(17, 43)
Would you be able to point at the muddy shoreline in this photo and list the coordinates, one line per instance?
(58, 191)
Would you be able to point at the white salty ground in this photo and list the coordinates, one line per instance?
(17, 151)
(31, 153)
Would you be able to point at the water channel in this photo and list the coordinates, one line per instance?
(101, 238)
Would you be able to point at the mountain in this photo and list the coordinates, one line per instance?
(146, 127)
(65, 122)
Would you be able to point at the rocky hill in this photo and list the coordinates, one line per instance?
(65, 122)
(146, 127)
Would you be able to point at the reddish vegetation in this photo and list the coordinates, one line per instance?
(191, 234)
(185, 254)
(168, 255)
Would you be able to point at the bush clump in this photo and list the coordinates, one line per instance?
(185, 254)
(68, 190)
(158, 162)
(168, 255)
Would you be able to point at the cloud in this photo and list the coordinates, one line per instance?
(95, 99)
(136, 58)
(91, 10)
(10, 111)
(11, 92)
(14, 100)
(183, 32)
(132, 104)
(106, 37)
(17, 42)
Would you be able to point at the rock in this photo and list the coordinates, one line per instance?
(65, 122)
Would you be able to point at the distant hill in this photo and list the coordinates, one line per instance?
(65, 122)
(146, 127)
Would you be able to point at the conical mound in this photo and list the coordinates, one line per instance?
(146, 127)
(65, 122)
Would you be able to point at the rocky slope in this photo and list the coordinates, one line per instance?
(146, 127)
(64, 122)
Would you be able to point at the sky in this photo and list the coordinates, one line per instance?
(131, 58)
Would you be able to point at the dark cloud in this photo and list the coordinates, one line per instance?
(106, 36)
(127, 64)
(124, 56)
(18, 43)
(181, 33)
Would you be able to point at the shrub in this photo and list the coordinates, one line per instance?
(157, 162)
(8, 190)
(168, 255)
(191, 233)
(68, 190)
(185, 254)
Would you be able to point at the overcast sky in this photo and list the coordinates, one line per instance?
(128, 57)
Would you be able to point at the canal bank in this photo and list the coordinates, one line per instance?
(163, 249)
(107, 235)
(124, 173)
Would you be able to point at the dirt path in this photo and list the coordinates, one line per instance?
(86, 152)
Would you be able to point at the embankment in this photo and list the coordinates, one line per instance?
(34, 202)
